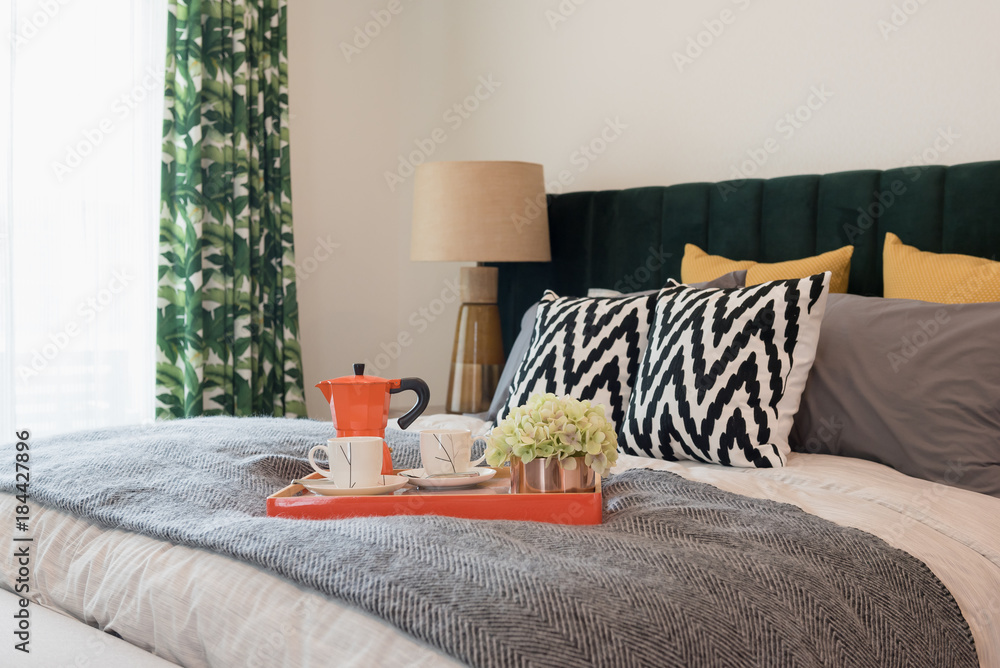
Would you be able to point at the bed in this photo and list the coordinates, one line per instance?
(191, 600)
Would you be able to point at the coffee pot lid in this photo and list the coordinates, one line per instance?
(359, 378)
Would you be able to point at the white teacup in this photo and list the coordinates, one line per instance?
(447, 451)
(355, 461)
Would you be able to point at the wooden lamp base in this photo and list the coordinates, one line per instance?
(477, 358)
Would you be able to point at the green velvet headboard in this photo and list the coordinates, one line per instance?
(634, 239)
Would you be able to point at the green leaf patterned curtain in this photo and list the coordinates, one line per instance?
(227, 314)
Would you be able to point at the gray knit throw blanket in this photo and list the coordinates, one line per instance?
(679, 574)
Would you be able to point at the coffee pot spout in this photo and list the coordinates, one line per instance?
(326, 387)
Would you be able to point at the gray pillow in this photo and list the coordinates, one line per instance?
(736, 279)
(909, 384)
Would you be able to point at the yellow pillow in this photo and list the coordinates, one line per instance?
(698, 266)
(945, 278)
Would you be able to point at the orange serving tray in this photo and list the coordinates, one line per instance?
(490, 500)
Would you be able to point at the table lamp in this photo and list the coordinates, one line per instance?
(478, 212)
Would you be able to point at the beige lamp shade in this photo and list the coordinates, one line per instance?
(480, 212)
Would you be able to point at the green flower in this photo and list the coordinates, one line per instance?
(551, 426)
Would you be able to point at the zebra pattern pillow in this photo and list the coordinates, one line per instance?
(588, 348)
(723, 373)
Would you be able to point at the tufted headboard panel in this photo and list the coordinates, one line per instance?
(634, 239)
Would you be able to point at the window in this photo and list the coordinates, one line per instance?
(80, 136)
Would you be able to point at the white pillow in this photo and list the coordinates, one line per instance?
(724, 371)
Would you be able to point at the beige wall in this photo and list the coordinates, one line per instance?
(886, 89)
(344, 121)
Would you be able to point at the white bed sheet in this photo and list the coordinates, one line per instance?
(197, 608)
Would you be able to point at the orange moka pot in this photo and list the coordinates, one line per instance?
(359, 405)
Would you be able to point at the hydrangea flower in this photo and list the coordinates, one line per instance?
(551, 426)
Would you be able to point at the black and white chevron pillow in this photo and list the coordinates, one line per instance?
(724, 371)
(588, 348)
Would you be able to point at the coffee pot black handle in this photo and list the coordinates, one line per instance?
(423, 398)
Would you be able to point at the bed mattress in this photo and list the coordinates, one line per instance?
(197, 608)
(60, 640)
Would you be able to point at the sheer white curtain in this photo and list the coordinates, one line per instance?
(81, 122)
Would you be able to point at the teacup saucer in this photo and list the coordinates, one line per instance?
(419, 478)
(325, 487)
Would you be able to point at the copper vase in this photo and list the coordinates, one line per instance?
(546, 475)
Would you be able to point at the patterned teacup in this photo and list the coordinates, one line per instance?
(445, 451)
(355, 461)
